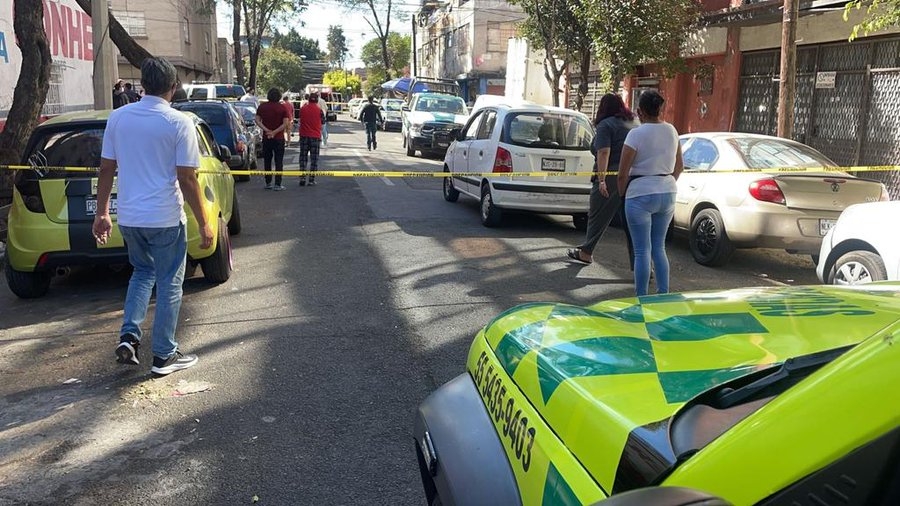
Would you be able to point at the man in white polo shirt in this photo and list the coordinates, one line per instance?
(156, 175)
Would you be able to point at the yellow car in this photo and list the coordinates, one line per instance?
(775, 396)
(52, 211)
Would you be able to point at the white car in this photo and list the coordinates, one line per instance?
(863, 246)
(513, 140)
(355, 105)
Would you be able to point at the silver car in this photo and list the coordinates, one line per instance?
(738, 191)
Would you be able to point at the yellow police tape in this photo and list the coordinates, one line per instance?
(541, 174)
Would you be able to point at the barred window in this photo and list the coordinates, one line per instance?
(499, 35)
(53, 105)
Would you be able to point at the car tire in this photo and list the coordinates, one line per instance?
(491, 215)
(407, 143)
(451, 194)
(217, 267)
(709, 241)
(234, 224)
(856, 268)
(580, 221)
(27, 285)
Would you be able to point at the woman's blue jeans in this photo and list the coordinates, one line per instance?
(158, 257)
(648, 219)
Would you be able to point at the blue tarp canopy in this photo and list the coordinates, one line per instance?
(401, 86)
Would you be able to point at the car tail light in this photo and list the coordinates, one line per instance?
(767, 190)
(502, 161)
(30, 190)
(885, 196)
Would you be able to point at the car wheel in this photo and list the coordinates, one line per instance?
(451, 194)
(407, 143)
(217, 267)
(27, 285)
(580, 221)
(234, 224)
(857, 268)
(491, 215)
(709, 242)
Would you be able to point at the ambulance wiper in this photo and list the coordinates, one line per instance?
(791, 368)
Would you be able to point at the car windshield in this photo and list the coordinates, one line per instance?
(447, 104)
(78, 147)
(229, 91)
(766, 153)
(214, 116)
(248, 112)
(393, 105)
(549, 130)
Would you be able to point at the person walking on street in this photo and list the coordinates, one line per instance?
(311, 120)
(275, 122)
(156, 177)
(289, 107)
(650, 166)
(613, 122)
(371, 117)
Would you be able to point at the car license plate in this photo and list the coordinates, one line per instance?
(553, 164)
(90, 206)
(825, 225)
(443, 144)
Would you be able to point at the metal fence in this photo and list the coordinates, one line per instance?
(847, 102)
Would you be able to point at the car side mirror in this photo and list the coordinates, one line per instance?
(404, 108)
(457, 134)
(224, 153)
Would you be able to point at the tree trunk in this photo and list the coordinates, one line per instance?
(254, 61)
(236, 39)
(131, 50)
(386, 57)
(585, 70)
(31, 88)
(553, 76)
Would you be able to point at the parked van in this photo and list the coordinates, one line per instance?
(201, 91)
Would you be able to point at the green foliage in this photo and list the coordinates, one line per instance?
(375, 77)
(880, 14)
(281, 69)
(299, 45)
(626, 34)
(399, 49)
(337, 45)
(379, 19)
(340, 80)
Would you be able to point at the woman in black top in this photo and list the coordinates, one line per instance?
(613, 122)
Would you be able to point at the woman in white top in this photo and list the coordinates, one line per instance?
(651, 163)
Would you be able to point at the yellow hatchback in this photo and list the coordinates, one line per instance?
(53, 210)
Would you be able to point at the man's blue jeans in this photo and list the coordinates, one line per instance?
(648, 219)
(158, 257)
(371, 129)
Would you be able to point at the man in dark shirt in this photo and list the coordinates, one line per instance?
(311, 119)
(119, 96)
(132, 95)
(274, 121)
(371, 116)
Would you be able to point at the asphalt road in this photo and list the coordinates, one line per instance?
(349, 303)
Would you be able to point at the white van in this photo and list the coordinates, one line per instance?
(201, 91)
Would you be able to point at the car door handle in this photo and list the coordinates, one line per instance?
(481, 153)
(692, 187)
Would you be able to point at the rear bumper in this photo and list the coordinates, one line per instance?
(541, 197)
(774, 226)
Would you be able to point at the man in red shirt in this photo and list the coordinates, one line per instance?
(273, 119)
(311, 120)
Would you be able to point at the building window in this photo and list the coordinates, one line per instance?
(53, 105)
(132, 22)
(462, 39)
(208, 44)
(499, 35)
(186, 28)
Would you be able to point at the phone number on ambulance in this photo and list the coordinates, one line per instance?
(514, 426)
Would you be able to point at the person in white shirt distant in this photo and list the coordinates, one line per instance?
(250, 96)
(156, 176)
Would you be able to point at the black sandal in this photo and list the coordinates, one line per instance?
(575, 254)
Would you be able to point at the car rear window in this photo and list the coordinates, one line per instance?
(229, 91)
(215, 116)
(248, 113)
(549, 130)
(774, 153)
(78, 147)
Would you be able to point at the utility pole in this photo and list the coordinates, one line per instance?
(414, 62)
(103, 55)
(787, 82)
